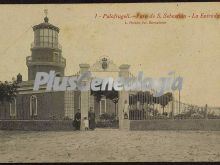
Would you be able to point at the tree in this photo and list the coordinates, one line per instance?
(112, 95)
(147, 97)
(164, 100)
(8, 90)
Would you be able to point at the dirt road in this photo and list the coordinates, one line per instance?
(104, 145)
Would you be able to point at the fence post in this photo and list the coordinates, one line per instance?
(206, 111)
(172, 107)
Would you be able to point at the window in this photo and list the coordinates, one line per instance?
(50, 33)
(69, 104)
(50, 39)
(12, 107)
(41, 32)
(33, 105)
(102, 105)
(41, 39)
(46, 37)
(56, 34)
(37, 37)
(46, 32)
(46, 44)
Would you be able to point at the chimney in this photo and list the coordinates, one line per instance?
(19, 78)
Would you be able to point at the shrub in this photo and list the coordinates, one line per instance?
(67, 118)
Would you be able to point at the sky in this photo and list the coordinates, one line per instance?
(190, 47)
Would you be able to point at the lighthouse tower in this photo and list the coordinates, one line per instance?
(46, 51)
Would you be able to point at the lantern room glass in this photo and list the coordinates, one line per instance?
(46, 38)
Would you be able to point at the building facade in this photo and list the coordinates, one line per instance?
(46, 55)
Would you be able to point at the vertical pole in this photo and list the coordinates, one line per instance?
(173, 103)
(206, 111)
(100, 110)
(84, 107)
(115, 109)
(172, 107)
(84, 101)
(105, 105)
(179, 101)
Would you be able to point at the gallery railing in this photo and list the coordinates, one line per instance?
(30, 60)
(46, 45)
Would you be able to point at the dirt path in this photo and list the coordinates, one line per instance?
(109, 145)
